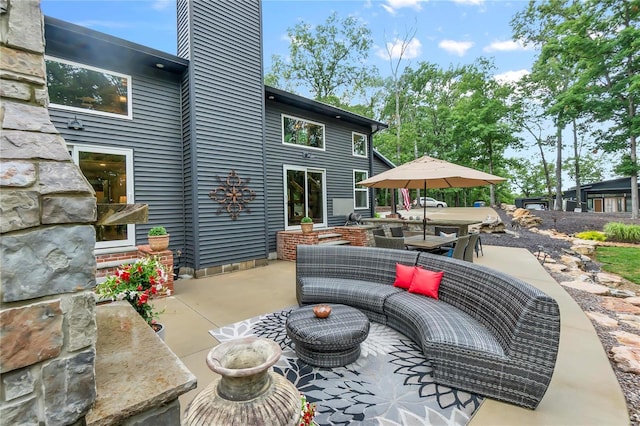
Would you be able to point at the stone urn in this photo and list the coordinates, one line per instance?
(248, 390)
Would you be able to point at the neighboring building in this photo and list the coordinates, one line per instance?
(148, 127)
(606, 196)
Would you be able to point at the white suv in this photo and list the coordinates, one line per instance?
(431, 202)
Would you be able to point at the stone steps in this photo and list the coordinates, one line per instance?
(334, 243)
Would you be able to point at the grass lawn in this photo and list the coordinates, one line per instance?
(624, 261)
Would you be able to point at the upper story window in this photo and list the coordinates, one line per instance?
(83, 88)
(359, 144)
(297, 131)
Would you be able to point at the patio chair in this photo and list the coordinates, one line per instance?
(397, 232)
(378, 231)
(471, 247)
(389, 242)
(457, 252)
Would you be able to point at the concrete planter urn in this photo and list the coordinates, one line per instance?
(248, 390)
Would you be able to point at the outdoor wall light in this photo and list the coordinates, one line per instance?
(306, 155)
(75, 124)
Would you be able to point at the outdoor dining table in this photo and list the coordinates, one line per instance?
(429, 242)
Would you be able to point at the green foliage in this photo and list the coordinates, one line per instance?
(306, 219)
(157, 231)
(592, 235)
(617, 231)
(623, 261)
(627, 166)
(137, 283)
(329, 59)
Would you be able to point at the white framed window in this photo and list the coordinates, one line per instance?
(110, 173)
(301, 132)
(360, 193)
(359, 145)
(86, 89)
(305, 194)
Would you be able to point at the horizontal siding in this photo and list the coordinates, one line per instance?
(227, 103)
(154, 135)
(337, 160)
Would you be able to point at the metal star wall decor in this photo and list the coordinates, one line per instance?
(234, 195)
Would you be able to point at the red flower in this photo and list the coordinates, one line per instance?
(139, 288)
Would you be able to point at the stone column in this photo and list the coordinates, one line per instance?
(47, 309)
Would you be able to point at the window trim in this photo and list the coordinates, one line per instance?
(366, 145)
(324, 132)
(129, 115)
(356, 189)
(128, 153)
(287, 167)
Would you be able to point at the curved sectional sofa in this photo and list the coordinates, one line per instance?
(487, 333)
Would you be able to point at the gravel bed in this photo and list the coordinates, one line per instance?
(570, 223)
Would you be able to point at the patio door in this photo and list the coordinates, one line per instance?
(305, 194)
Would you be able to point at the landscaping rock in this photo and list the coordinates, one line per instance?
(586, 286)
(555, 267)
(627, 358)
(623, 294)
(584, 247)
(609, 279)
(631, 320)
(635, 300)
(627, 339)
(619, 306)
(602, 319)
(573, 262)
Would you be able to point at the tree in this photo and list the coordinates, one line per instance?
(527, 176)
(601, 41)
(329, 60)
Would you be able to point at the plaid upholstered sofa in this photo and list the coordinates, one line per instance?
(487, 333)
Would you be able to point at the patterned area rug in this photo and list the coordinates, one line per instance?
(389, 384)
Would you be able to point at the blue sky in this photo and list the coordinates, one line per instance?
(448, 31)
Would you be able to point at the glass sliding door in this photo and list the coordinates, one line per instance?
(304, 196)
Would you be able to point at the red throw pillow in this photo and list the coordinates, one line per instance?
(404, 276)
(426, 282)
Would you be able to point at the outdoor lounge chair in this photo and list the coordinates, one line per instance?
(378, 231)
(460, 246)
(389, 242)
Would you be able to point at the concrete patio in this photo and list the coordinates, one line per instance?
(583, 391)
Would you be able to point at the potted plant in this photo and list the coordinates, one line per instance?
(306, 224)
(158, 238)
(138, 283)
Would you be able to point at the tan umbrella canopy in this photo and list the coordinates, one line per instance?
(428, 172)
(433, 173)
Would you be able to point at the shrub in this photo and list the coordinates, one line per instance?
(592, 235)
(617, 231)
(157, 231)
(306, 219)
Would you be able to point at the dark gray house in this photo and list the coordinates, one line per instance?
(223, 162)
(605, 196)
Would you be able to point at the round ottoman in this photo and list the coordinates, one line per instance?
(328, 342)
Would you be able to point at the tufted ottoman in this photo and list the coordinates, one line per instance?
(328, 342)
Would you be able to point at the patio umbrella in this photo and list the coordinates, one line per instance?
(428, 172)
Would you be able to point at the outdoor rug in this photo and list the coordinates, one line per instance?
(389, 384)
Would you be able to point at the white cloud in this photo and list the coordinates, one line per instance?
(470, 2)
(160, 4)
(392, 6)
(506, 46)
(510, 76)
(456, 47)
(412, 50)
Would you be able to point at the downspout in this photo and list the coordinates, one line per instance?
(264, 154)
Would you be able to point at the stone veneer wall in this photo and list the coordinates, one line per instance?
(47, 309)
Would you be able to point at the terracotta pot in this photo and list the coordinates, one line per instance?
(307, 228)
(322, 311)
(248, 391)
(158, 242)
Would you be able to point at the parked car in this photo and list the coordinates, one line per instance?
(431, 202)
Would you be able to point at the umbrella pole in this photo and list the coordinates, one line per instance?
(424, 214)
